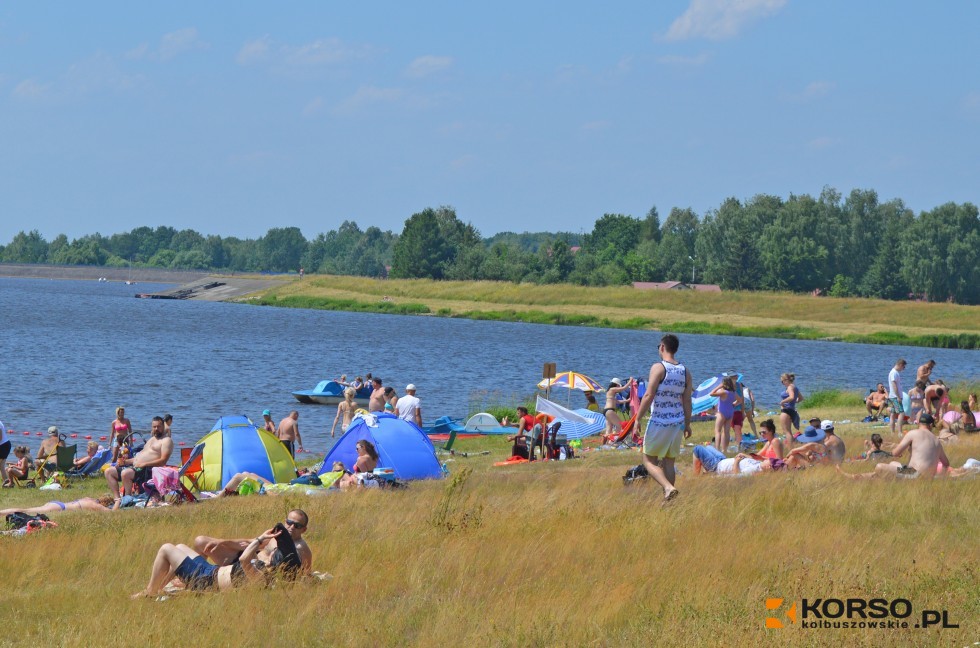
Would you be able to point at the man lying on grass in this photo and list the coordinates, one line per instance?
(236, 562)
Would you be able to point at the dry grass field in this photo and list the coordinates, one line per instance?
(548, 554)
(795, 315)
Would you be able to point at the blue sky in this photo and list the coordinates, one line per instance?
(523, 116)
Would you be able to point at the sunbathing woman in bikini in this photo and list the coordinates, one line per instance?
(104, 503)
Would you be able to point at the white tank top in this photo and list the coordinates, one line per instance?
(668, 406)
(3, 433)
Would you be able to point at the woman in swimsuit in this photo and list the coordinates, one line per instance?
(345, 407)
(728, 400)
(119, 429)
(773, 448)
(917, 397)
(4, 452)
(367, 461)
(104, 503)
(788, 399)
(614, 425)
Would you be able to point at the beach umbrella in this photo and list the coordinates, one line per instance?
(701, 399)
(571, 380)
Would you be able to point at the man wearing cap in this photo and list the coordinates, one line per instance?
(49, 444)
(269, 425)
(926, 454)
(833, 443)
(408, 407)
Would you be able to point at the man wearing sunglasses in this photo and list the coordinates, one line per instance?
(280, 549)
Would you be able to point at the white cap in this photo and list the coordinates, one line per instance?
(410, 387)
(616, 381)
(826, 425)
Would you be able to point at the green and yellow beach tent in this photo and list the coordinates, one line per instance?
(236, 445)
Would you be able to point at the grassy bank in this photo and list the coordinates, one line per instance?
(767, 315)
(556, 553)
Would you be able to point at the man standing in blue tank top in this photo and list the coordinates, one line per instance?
(668, 398)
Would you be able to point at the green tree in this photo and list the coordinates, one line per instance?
(281, 249)
(430, 243)
(677, 241)
(883, 278)
(941, 254)
(26, 247)
(792, 256)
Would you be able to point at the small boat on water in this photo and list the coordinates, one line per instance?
(330, 392)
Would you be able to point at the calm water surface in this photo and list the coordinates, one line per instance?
(74, 350)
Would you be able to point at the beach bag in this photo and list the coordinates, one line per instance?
(636, 473)
(21, 520)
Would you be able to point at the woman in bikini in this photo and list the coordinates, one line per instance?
(345, 407)
(119, 429)
(367, 461)
(614, 425)
(773, 448)
(103, 504)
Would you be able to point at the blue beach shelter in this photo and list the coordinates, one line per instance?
(401, 445)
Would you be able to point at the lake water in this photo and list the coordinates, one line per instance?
(75, 350)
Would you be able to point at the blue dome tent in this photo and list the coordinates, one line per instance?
(401, 445)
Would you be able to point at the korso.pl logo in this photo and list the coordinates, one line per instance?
(876, 613)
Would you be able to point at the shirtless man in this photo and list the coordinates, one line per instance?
(926, 453)
(288, 433)
(156, 452)
(48, 445)
(833, 443)
(233, 562)
(932, 400)
(924, 372)
(875, 402)
(377, 402)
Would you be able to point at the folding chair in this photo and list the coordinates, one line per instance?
(65, 457)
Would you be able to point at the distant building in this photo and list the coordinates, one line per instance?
(675, 285)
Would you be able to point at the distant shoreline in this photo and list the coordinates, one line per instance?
(151, 275)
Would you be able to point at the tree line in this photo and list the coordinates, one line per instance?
(853, 246)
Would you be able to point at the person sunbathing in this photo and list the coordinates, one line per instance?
(104, 503)
(367, 461)
(233, 487)
(233, 562)
(90, 449)
(926, 455)
(873, 450)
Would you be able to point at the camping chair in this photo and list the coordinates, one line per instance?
(65, 457)
(92, 466)
(551, 441)
(191, 469)
(446, 447)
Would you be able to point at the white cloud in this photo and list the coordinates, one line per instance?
(313, 107)
(688, 61)
(820, 143)
(172, 44)
(138, 52)
(324, 52)
(30, 89)
(254, 51)
(424, 66)
(971, 103)
(720, 19)
(813, 90)
(463, 161)
(178, 42)
(367, 95)
(595, 126)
